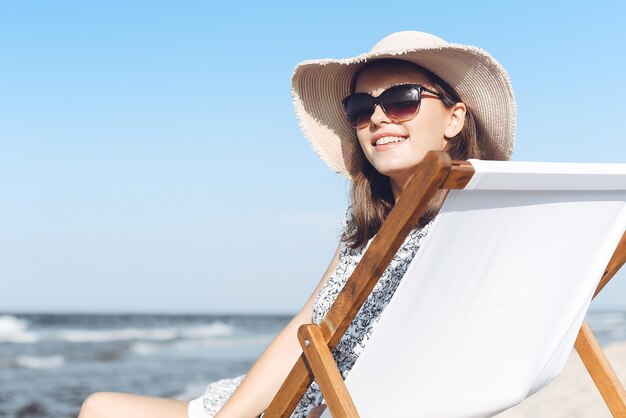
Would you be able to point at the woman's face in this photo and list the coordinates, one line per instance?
(425, 132)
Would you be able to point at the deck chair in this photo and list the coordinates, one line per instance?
(493, 302)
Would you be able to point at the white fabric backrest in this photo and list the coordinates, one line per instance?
(490, 307)
(521, 175)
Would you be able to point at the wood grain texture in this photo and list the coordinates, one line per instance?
(601, 371)
(460, 174)
(326, 373)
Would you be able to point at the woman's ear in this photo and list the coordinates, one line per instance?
(456, 120)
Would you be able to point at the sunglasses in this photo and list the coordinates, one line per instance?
(400, 103)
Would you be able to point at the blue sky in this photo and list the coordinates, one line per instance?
(151, 160)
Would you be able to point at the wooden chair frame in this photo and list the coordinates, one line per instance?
(436, 172)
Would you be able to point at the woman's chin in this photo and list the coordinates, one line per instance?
(396, 171)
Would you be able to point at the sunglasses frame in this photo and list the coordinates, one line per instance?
(378, 100)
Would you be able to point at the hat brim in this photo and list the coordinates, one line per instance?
(318, 86)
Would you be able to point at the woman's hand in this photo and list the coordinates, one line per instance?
(317, 411)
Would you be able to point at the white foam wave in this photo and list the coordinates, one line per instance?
(151, 334)
(216, 329)
(190, 345)
(45, 362)
(99, 336)
(15, 330)
(145, 349)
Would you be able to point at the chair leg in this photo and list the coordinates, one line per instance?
(326, 373)
(601, 372)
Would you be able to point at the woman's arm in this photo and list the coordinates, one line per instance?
(262, 382)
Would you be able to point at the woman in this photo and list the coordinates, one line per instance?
(372, 118)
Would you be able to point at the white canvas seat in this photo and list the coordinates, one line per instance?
(492, 303)
(490, 307)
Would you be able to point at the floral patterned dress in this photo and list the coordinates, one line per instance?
(352, 343)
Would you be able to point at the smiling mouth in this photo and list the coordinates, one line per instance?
(389, 140)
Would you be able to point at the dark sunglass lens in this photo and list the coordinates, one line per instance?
(358, 108)
(402, 110)
(401, 103)
(361, 119)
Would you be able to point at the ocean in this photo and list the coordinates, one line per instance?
(49, 363)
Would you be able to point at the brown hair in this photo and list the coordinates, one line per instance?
(371, 195)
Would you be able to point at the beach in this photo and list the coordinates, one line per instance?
(572, 394)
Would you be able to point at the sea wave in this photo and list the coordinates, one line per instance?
(216, 329)
(143, 348)
(42, 362)
(99, 336)
(18, 330)
(608, 324)
(15, 330)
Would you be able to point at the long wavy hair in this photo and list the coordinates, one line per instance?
(371, 195)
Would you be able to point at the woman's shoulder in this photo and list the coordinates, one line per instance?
(346, 227)
(344, 247)
(416, 235)
(347, 219)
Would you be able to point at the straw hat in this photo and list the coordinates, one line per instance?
(318, 87)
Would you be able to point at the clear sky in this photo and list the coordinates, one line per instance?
(151, 161)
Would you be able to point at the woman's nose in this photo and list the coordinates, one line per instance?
(379, 116)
